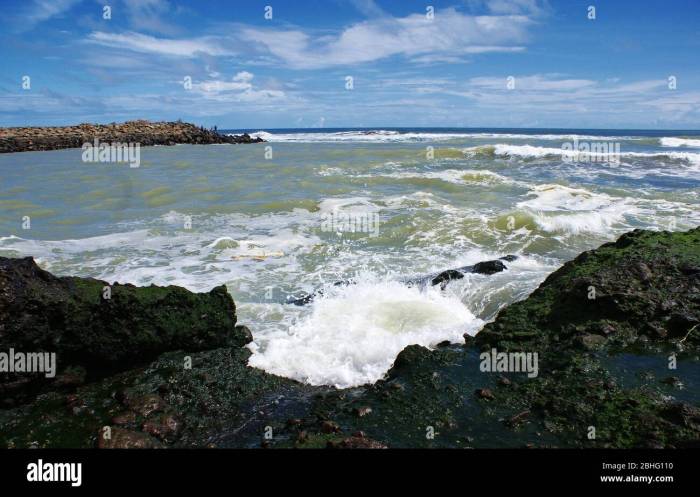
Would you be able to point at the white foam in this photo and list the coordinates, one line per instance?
(557, 208)
(354, 333)
(456, 176)
(387, 136)
(552, 197)
(679, 142)
(197, 260)
(345, 203)
(535, 152)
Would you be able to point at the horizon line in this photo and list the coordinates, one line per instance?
(390, 128)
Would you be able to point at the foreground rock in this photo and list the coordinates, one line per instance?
(143, 132)
(95, 328)
(606, 327)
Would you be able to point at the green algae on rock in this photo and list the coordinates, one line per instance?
(616, 333)
(101, 328)
(605, 327)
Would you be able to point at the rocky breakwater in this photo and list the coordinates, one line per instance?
(143, 132)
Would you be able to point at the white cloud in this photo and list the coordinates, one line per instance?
(450, 33)
(150, 15)
(138, 42)
(239, 89)
(534, 82)
(243, 76)
(555, 98)
(447, 37)
(38, 11)
(368, 8)
(530, 7)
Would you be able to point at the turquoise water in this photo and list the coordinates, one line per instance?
(275, 219)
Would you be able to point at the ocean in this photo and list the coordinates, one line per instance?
(309, 208)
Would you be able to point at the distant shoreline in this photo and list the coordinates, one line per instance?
(144, 133)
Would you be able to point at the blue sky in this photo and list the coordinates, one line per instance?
(407, 69)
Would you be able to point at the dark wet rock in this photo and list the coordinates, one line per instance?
(605, 288)
(485, 267)
(222, 410)
(306, 299)
(680, 323)
(124, 419)
(356, 443)
(484, 393)
(685, 414)
(592, 342)
(294, 422)
(362, 411)
(143, 132)
(445, 276)
(643, 271)
(673, 381)
(145, 405)
(121, 438)
(489, 267)
(408, 358)
(163, 426)
(602, 328)
(95, 335)
(690, 269)
(504, 381)
(636, 282)
(71, 377)
(330, 427)
(518, 419)
(243, 334)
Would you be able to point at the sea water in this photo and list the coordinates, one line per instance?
(287, 217)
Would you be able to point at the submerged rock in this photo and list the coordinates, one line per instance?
(442, 278)
(489, 267)
(445, 276)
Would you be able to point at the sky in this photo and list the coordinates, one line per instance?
(248, 64)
